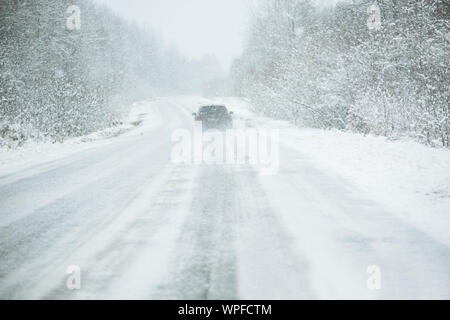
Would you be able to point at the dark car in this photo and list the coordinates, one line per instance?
(214, 117)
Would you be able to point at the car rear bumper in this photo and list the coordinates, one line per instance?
(217, 124)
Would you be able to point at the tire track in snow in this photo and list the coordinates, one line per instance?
(232, 245)
(36, 252)
(127, 259)
(204, 261)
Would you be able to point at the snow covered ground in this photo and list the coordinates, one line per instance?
(140, 119)
(140, 226)
(413, 180)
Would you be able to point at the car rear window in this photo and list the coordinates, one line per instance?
(213, 110)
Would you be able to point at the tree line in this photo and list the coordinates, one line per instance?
(57, 81)
(327, 68)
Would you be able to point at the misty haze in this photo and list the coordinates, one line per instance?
(224, 149)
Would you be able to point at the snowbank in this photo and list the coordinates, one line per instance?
(409, 179)
(142, 117)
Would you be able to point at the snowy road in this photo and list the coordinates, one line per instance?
(141, 227)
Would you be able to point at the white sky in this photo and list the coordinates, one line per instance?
(195, 27)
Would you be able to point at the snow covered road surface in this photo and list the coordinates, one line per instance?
(142, 227)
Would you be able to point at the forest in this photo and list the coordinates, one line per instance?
(334, 68)
(57, 81)
(320, 67)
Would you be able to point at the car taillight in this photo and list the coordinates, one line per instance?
(228, 116)
(198, 118)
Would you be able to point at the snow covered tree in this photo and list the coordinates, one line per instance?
(60, 82)
(325, 68)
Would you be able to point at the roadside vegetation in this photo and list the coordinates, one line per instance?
(336, 67)
(58, 82)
